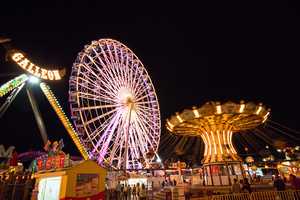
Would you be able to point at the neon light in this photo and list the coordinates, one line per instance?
(35, 70)
(210, 149)
(219, 109)
(205, 142)
(224, 141)
(61, 115)
(230, 138)
(170, 124)
(258, 110)
(196, 113)
(12, 84)
(179, 118)
(219, 142)
(242, 108)
(213, 137)
(267, 115)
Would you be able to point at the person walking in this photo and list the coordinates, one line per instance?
(118, 190)
(143, 192)
(279, 184)
(187, 192)
(134, 192)
(138, 190)
(295, 183)
(125, 191)
(235, 188)
(246, 186)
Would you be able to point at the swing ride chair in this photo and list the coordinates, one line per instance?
(215, 123)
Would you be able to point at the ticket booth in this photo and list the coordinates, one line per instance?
(82, 181)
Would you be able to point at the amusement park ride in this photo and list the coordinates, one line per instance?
(114, 106)
(215, 123)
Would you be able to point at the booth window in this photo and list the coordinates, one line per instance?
(87, 184)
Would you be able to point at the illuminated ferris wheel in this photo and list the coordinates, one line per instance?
(114, 105)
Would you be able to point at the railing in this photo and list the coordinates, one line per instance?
(269, 195)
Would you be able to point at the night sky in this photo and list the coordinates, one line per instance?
(193, 53)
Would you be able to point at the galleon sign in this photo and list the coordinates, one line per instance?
(35, 70)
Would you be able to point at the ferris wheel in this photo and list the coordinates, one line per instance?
(114, 105)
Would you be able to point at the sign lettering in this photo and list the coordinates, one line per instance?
(35, 70)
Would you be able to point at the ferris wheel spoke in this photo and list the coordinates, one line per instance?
(134, 153)
(103, 79)
(102, 127)
(96, 89)
(136, 143)
(108, 63)
(121, 66)
(147, 112)
(136, 81)
(99, 107)
(143, 90)
(120, 156)
(114, 63)
(93, 97)
(109, 91)
(88, 68)
(141, 139)
(129, 71)
(104, 72)
(147, 116)
(140, 143)
(134, 71)
(139, 102)
(145, 132)
(115, 147)
(148, 128)
(140, 106)
(116, 144)
(97, 78)
(98, 94)
(106, 136)
(101, 116)
(140, 85)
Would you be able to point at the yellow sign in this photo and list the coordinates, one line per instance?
(35, 70)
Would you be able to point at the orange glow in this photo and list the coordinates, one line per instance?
(242, 108)
(258, 110)
(179, 118)
(219, 109)
(196, 113)
(220, 142)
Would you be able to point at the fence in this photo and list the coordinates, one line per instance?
(270, 195)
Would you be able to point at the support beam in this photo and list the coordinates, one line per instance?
(37, 115)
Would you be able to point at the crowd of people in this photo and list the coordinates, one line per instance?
(279, 184)
(128, 192)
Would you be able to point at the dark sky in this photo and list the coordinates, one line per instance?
(193, 53)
